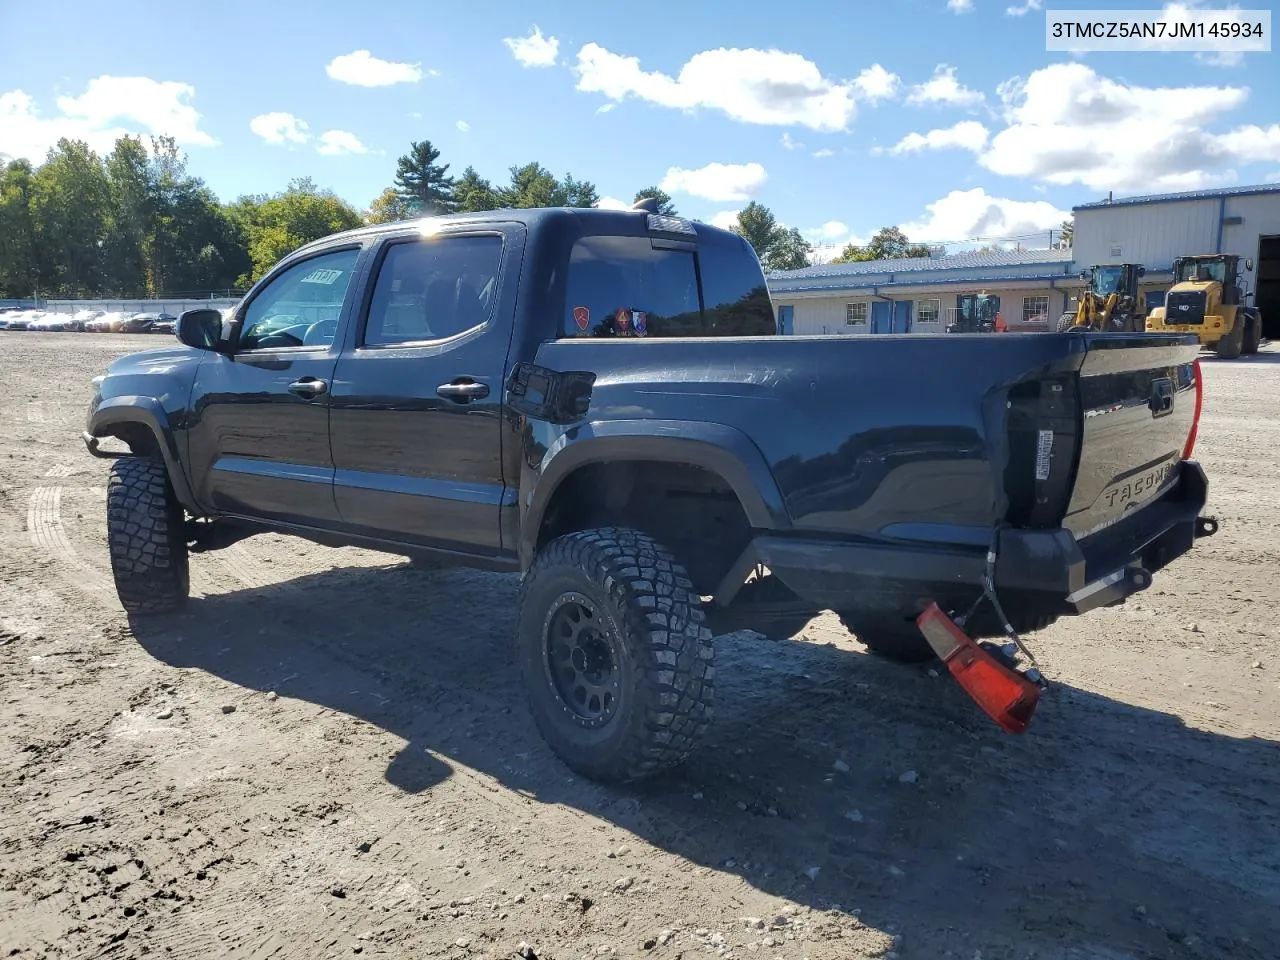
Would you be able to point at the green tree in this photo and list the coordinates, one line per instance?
(1067, 230)
(889, 243)
(758, 226)
(789, 251)
(422, 182)
(19, 237)
(131, 218)
(665, 204)
(388, 207)
(474, 193)
(275, 226)
(533, 185)
(71, 202)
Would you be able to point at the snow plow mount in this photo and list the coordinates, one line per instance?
(989, 676)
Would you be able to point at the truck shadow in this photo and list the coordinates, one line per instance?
(1108, 827)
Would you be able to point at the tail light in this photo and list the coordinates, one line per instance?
(1195, 421)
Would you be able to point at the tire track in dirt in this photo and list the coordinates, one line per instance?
(44, 523)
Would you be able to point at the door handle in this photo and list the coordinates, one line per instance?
(463, 390)
(309, 387)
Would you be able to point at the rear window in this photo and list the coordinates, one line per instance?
(624, 287)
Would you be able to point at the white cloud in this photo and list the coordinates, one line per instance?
(876, 83)
(109, 108)
(1069, 125)
(719, 182)
(966, 135)
(969, 214)
(830, 231)
(280, 128)
(463, 126)
(362, 69)
(334, 143)
(789, 144)
(824, 153)
(1023, 10)
(535, 50)
(960, 6)
(944, 89)
(613, 203)
(725, 219)
(768, 87)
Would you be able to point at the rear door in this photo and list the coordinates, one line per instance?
(259, 441)
(416, 404)
(1137, 400)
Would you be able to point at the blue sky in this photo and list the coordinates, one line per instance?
(945, 116)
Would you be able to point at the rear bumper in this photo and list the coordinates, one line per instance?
(1045, 573)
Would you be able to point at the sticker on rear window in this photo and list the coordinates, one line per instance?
(326, 277)
(1044, 446)
(582, 317)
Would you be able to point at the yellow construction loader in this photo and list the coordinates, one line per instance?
(1111, 302)
(1206, 299)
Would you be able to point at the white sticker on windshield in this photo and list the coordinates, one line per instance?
(322, 276)
(1044, 446)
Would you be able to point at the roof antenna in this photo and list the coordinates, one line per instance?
(646, 205)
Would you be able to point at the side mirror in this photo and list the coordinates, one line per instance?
(1142, 271)
(201, 328)
(1084, 274)
(1248, 264)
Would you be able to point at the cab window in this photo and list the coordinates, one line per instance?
(300, 306)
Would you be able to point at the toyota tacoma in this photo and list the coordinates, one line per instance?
(599, 401)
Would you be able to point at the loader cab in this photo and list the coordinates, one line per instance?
(1202, 271)
(1119, 278)
(976, 313)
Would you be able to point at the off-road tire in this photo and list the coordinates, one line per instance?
(1252, 334)
(901, 644)
(1230, 346)
(646, 608)
(1066, 322)
(145, 537)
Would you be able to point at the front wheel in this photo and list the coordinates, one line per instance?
(146, 538)
(1066, 322)
(615, 654)
(1231, 345)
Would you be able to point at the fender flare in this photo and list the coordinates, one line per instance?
(717, 448)
(146, 412)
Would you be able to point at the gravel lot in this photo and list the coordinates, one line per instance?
(329, 755)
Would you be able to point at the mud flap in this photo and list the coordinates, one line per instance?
(1005, 695)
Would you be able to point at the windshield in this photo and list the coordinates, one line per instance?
(1106, 280)
(1201, 271)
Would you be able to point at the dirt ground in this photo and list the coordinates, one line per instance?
(329, 755)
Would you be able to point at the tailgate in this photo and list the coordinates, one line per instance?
(1137, 399)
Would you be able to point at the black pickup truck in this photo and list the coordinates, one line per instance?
(599, 401)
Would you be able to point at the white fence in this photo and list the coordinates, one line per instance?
(175, 307)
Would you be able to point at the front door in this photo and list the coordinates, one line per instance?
(259, 443)
(417, 395)
(786, 319)
(902, 316)
(881, 316)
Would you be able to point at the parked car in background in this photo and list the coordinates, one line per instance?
(81, 318)
(107, 323)
(51, 322)
(166, 324)
(21, 320)
(138, 322)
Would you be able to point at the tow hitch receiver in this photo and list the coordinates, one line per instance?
(1005, 695)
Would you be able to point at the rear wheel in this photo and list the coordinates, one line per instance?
(1230, 346)
(1066, 322)
(146, 537)
(615, 654)
(1252, 334)
(902, 643)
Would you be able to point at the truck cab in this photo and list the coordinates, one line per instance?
(1207, 299)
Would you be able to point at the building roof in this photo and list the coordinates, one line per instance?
(961, 261)
(1247, 191)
